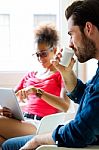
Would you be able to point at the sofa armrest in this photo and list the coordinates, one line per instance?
(54, 147)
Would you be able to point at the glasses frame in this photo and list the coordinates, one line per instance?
(43, 53)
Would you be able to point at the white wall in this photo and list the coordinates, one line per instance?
(63, 27)
(91, 68)
(10, 79)
(21, 36)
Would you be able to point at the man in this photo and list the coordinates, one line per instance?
(83, 28)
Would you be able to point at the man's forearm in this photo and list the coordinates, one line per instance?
(70, 82)
(44, 139)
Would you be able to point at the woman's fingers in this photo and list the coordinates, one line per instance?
(6, 112)
(21, 94)
(30, 90)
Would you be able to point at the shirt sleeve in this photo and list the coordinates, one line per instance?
(78, 91)
(83, 130)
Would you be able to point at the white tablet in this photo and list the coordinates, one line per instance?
(8, 99)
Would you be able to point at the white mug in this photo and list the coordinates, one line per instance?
(67, 54)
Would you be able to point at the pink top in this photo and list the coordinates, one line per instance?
(51, 84)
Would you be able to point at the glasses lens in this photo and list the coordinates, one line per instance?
(42, 54)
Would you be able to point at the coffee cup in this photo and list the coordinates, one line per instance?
(67, 54)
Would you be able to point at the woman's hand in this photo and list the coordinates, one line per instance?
(5, 112)
(66, 72)
(23, 94)
(30, 90)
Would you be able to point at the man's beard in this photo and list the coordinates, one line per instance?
(88, 51)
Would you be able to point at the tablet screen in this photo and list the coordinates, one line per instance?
(8, 99)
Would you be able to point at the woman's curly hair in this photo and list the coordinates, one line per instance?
(47, 33)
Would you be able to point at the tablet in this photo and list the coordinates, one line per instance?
(8, 99)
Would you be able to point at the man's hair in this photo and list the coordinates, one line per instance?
(83, 11)
(47, 33)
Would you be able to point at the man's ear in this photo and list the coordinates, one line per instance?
(89, 27)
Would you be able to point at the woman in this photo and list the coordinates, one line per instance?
(43, 91)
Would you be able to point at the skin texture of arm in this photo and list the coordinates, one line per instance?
(39, 140)
(62, 103)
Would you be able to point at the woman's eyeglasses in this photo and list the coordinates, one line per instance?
(43, 53)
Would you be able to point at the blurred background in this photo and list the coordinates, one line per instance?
(18, 19)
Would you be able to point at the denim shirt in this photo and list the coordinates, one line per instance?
(84, 129)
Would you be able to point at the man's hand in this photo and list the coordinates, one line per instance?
(37, 141)
(66, 72)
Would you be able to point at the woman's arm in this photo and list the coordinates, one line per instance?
(61, 102)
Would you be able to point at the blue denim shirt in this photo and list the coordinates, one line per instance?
(84, 129)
